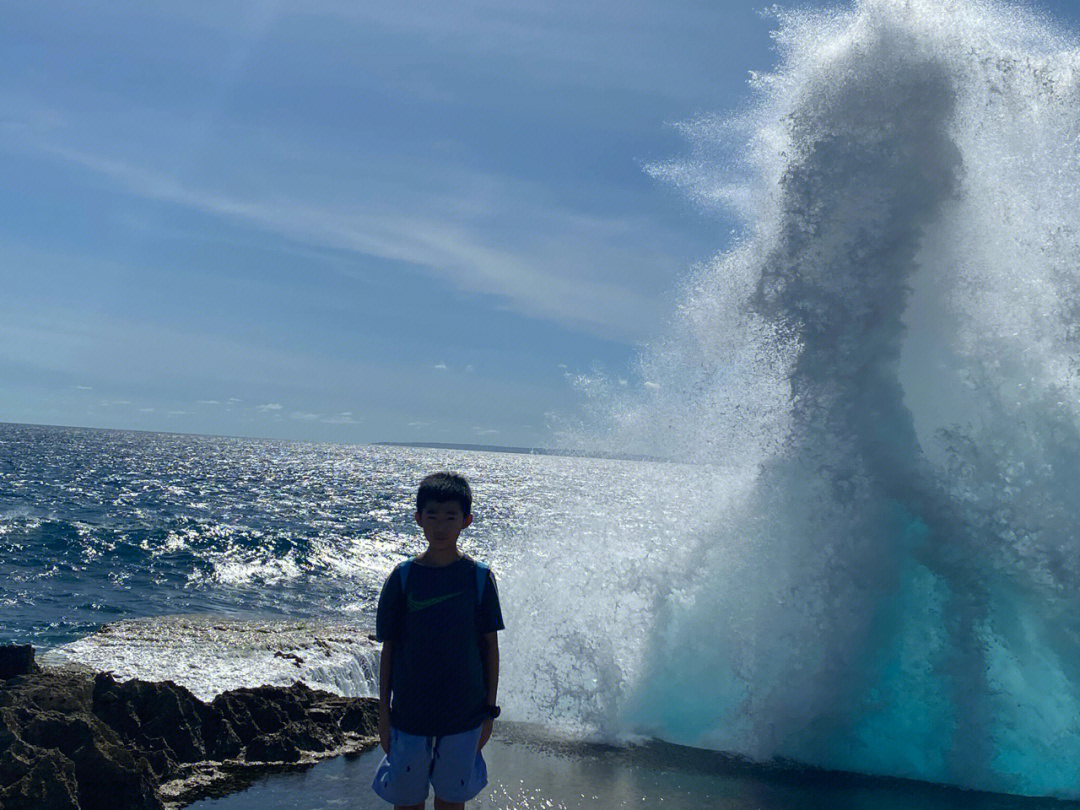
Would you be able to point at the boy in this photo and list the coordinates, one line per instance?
(438, 619)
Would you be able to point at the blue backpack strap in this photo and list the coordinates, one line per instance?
(403, 573)
(482, 573)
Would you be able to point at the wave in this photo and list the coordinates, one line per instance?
(881, 382)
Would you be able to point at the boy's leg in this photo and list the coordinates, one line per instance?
(458, 770)
(402, 776)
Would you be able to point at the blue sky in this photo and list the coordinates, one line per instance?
(348, 221)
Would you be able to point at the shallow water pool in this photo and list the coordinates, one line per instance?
(530, 770)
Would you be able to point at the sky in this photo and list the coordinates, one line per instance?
(346, 220)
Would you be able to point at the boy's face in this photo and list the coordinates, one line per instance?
(442, 522)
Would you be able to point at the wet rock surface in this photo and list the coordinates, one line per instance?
(75, 739)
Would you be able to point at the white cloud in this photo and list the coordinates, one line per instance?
(146, 410)
(269, 407)
(84, 388)
(418, 424)
(479, 431)
(208, 402)
(303, 416)
(440, 366)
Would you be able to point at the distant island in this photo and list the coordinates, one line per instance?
(529, 451)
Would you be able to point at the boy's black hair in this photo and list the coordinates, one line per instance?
(444, 486)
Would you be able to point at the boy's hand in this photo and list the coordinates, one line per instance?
(485, 732)
(384, 731)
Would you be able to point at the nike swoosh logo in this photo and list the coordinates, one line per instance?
(420, 604)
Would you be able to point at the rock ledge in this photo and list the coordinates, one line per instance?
(75, 739)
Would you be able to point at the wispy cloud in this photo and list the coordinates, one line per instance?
(555, 278)
(440, 366)
(304, 416)
(269, 407)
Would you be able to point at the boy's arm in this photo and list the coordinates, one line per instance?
(384, 695)
(491, 665)
(384, 676)
(386, 626)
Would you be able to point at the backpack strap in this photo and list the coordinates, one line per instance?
(482, 572)
(403, 573)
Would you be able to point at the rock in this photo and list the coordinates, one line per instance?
(17, 660)
(79, 740)
(272, 748)
(160, 718)
(49, 784)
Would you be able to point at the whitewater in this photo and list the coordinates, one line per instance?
(883, 373)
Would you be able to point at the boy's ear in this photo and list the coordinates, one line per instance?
(468, 521)
(416, 517)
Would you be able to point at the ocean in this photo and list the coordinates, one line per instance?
(220, 562)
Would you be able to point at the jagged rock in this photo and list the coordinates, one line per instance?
(17, 659)
(79, 740)
(159, 718)
(272, 748)
(111, 776)
(48, 784)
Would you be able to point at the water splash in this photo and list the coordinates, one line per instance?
(881, 383)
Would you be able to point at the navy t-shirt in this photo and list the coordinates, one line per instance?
(437, 673)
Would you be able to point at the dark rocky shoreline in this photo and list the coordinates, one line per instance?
(75, 739)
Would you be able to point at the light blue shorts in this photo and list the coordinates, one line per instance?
(450, 764)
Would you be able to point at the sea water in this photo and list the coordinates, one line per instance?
(221, 563)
